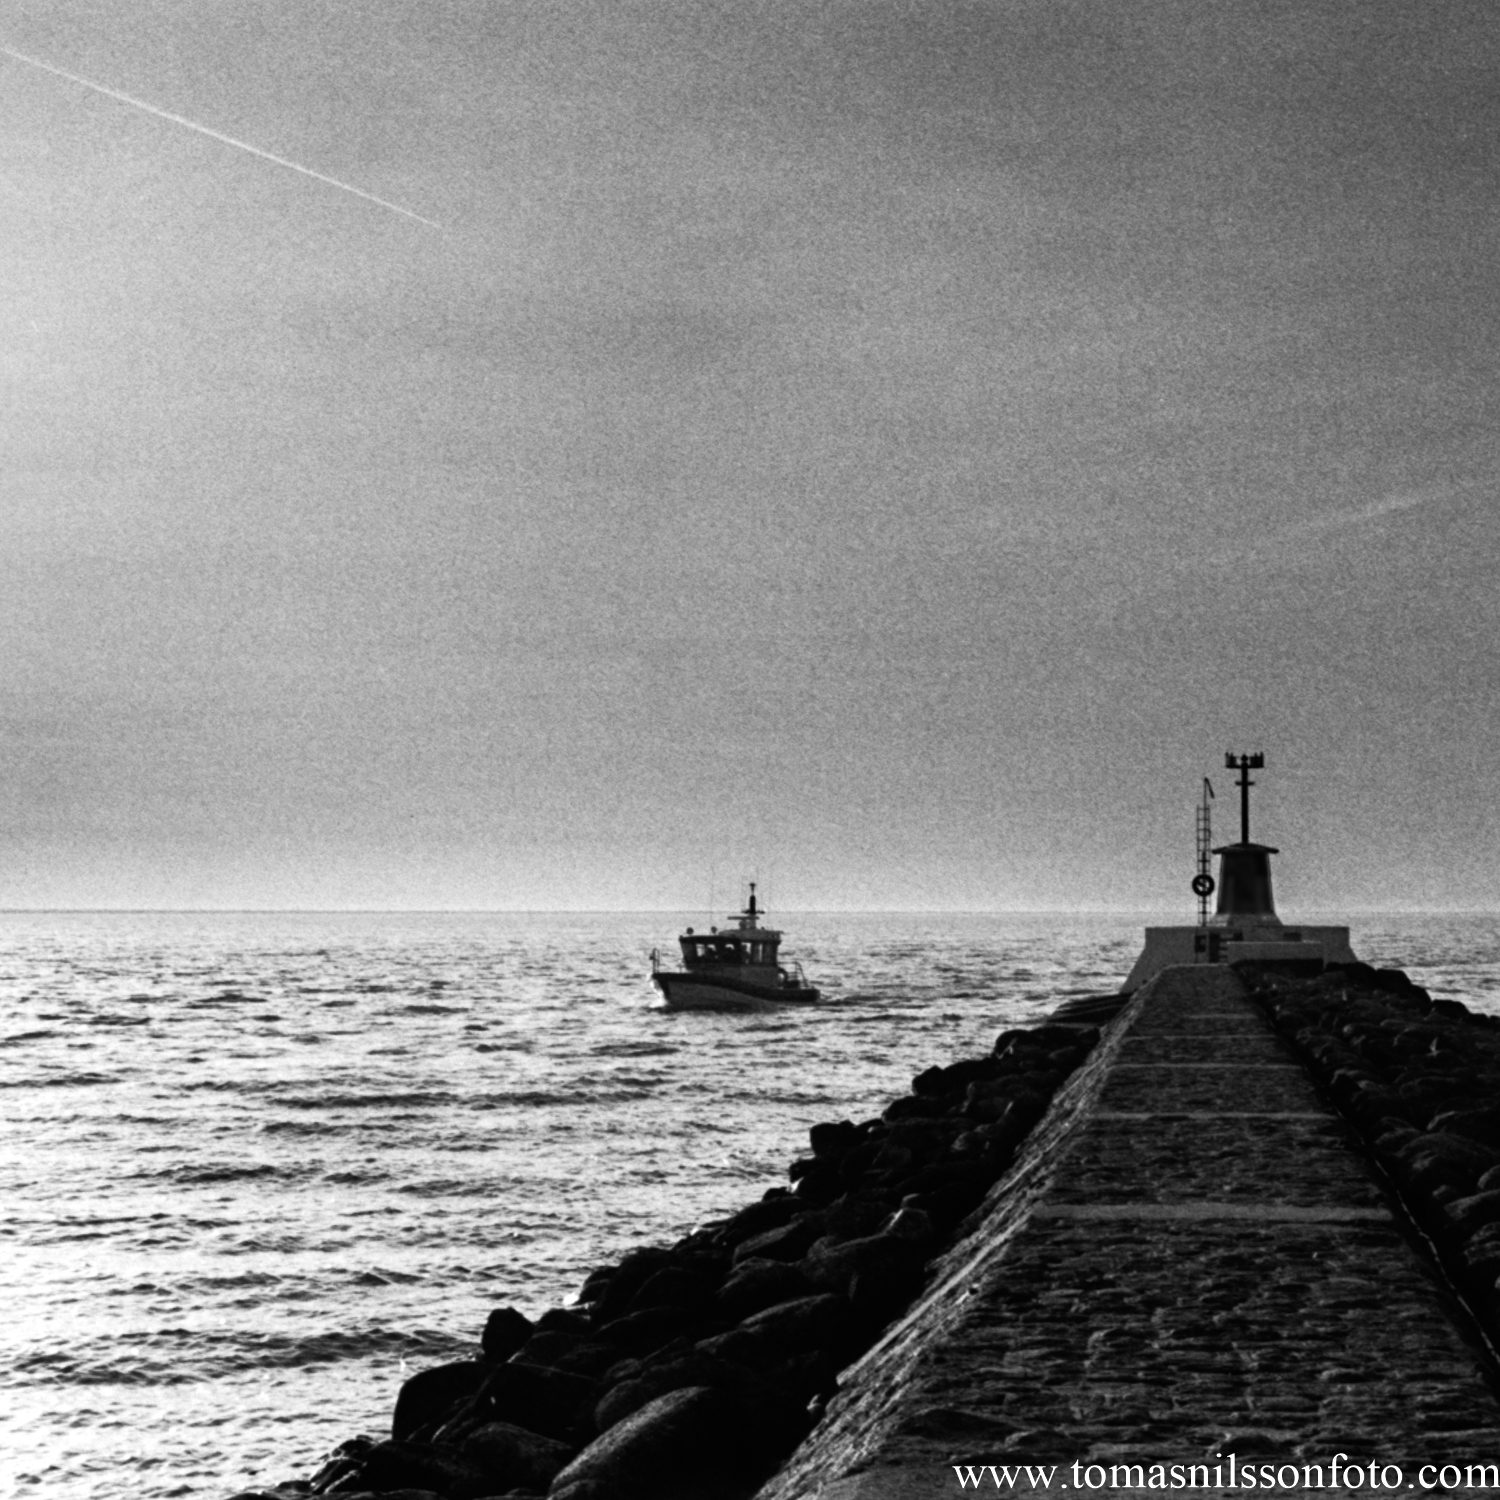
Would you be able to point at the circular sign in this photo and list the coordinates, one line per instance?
(1203, 885)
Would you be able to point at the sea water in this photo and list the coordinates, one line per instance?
(257, 1167)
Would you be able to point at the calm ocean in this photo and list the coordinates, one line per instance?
(259, 1166)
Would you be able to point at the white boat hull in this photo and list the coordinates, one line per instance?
(696, 992)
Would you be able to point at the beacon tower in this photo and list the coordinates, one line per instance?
(1244, 927)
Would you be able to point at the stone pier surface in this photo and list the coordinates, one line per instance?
(1191, 1257)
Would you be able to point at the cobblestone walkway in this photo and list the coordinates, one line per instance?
(1190, 1258)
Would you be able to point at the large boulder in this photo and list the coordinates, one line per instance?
(510, 1457)
(832, 1265)
(414, 1466)
(551, 1402)
(695, 1368)
(641, 1332)
(344, 1460)
(1481, 1254)
(824, 1322)
(666, 1439)
(564, 1320)
(833, 1139)
(855, 1214)
(954, 1078)
(1482, 1125)
(759, 1284)
(505, 1330)
(789, 1242)
(992, 1141)
(739, 1347)
(915, 1107)
(675, 1286)
(757, 1218)
(818, 1180)
(1441, 1158)
(629, 1276)
(766, 1412)
(572, 1352)
(428, 1397)
(1475, 1211)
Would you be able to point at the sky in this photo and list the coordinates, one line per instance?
(891, 450)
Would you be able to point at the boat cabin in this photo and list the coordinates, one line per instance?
(758, 948)
(747, 946)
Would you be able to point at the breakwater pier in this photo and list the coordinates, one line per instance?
(1194, 1257)
(1222, 1234)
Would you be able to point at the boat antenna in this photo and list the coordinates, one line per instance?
(751, 907)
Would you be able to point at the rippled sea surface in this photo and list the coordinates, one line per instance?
(257, 1167)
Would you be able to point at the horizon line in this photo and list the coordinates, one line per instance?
(555, 911)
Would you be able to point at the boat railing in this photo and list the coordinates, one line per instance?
(792, 976)
(655, 960)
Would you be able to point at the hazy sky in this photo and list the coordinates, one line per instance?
(892, 448)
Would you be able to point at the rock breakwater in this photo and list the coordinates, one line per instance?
(694, 1370)
(1419, 1081)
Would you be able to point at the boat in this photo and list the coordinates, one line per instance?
(736, 969)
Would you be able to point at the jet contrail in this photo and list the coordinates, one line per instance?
(1342, 520)
(228, 140)
(1386, 505)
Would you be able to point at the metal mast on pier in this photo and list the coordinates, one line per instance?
(1203, 881)
(1244, 764)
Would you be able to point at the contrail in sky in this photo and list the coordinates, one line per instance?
(228, 140)
(1342, 520)
(1385, 506)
